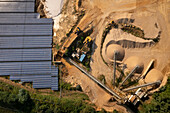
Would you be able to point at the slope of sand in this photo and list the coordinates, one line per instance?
(53, 7)
(146, 13)
(125, 40)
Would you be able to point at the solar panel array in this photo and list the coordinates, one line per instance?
(26, 44)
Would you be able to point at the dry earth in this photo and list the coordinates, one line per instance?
(152, 16)
(146, 14)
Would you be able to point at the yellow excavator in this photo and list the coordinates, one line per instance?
(87, 40)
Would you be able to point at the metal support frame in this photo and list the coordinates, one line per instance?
(114, 68)
(117, 97)
(127, 77)
(144, 85)
(147, 69)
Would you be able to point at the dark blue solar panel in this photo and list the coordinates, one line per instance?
(26, 45)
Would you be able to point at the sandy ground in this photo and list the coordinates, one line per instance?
(53, 7)
(159, 51)
(147, 14)
(96, 94)
(125, 40)
(65, 21)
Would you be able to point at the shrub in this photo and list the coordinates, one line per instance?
(88, 109)
(57, 47)
(23, 96)
(27, 102)
(115, 111)
(102, 79)
(160, 102)
(78, 87)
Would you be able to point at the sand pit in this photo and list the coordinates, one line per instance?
(109, 52)
(152, 16)
(53, 7)
(153, 76)
(147, 16)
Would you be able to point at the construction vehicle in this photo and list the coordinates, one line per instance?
(87, 40)
(78, 31)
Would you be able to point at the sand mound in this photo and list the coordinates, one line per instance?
(134, 61)
(114, 48)
(127, 40)
(153, 76)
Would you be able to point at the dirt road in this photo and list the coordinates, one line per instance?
(113, 10)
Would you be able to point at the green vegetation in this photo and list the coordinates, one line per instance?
(15, 98)
(136, 31)
(67, 86)
(6, 110)
(102, 78)
(118, 80)
(105, 32)
(160, 102)
(22, 101)
(78, 44)
(156, 39)
(57, 46)
(86, 61)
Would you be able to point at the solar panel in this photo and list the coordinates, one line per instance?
(17, 6)
(26, 44)
(19, 15)
(17, 0)
(42, 83)
(31, 78)
(28, 30)
(25, 21)
(54, 83)
(25, 54)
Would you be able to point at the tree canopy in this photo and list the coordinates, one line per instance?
(160, 102)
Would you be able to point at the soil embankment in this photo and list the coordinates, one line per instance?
(152, 16)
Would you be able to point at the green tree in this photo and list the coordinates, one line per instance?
(23, 96)
(88, 109)
(160, 102)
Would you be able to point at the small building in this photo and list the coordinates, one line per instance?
(139, 94)
(82, 57)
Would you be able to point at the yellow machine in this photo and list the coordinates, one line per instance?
(88, 39)
(78, 31)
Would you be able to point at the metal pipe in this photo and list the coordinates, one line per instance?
(130, 74)
(144, 85)
(114, 68)
(95, 80)
(147, 69)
